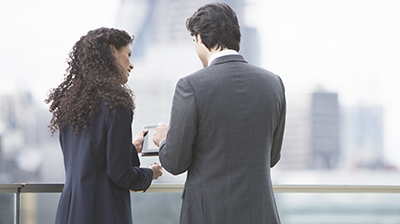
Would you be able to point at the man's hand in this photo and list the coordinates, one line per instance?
(160, 133)
(157, 170)
(138, 140)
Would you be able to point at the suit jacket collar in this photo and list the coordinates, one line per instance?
(228, 58)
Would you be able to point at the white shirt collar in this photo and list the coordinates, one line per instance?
(220, 54)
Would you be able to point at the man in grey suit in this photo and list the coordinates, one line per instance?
(226, 128)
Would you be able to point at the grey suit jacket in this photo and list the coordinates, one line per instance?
(226, 130)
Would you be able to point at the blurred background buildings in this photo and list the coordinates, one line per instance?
(322, 134)
(338, 61)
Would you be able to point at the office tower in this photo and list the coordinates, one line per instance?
(362, 135)
(2, 161)
(162, 22)
(312, 138)
(24, 133)
(325, 128)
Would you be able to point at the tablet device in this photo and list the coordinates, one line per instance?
(149, 148)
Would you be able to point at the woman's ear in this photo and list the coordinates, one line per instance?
(113, 49)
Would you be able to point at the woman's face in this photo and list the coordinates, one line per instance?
(122, 55)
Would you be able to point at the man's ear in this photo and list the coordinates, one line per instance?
(198, 38)
(113, 49)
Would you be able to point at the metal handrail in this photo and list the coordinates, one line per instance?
(336, 189)
(19, 188)
(177, 188)
(298, 188)
(10, 188)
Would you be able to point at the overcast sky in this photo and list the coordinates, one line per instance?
(346, 46)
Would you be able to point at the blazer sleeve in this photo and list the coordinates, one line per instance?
(279, 131)
(135, 157)
(176, 151)
(120, 153)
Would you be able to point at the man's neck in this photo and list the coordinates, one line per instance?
(216, 54)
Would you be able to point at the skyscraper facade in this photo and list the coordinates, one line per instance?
(312, 137)
(362, 136)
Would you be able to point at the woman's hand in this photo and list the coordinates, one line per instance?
(138, 140)
(157, 170)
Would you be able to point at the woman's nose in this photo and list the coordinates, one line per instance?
(131, 66)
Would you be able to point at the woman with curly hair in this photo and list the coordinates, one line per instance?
(93, 110)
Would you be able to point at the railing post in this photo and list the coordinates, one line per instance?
(17, 206)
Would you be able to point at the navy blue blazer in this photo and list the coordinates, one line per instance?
(101, 166)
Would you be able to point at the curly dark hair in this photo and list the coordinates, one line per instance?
(92, 75)
(217, 24)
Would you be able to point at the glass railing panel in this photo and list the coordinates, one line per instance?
(147, 208)
(343, 208)
(7, 208)
(156, 208)
(38, 208)
(317, 204)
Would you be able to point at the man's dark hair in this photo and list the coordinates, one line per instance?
(217, 25)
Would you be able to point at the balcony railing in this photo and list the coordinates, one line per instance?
(21, 188)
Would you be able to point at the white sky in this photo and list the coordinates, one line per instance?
(38, 35)
(348, 46)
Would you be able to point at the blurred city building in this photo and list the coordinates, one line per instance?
(164, 22)
(320, 134)
(312, 139)
(23, 134)
(362, 137)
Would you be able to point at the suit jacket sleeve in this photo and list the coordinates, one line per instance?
(176, 152)
(121, 156)
(135, 157)
(279, 131)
